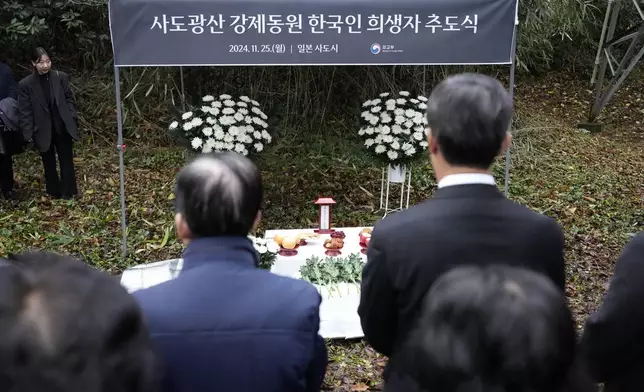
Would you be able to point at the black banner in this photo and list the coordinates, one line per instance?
(311, 32)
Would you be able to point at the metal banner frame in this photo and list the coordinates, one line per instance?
(121, 146)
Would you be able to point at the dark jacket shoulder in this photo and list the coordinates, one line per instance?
(432, 210)
(611, 337)
(26, 81)
(268, 292)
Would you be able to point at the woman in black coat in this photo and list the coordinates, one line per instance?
(48, 120)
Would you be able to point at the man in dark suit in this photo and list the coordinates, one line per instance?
(224, 324)
(8, 89)
(467, 221)
(612, 340)
(48, 120)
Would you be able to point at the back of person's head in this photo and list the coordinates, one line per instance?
(469, 118)
(218, 194)
(497, 329)
(66, 327)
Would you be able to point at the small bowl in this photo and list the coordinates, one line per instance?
(332, 252)
(287, 252)
(363, 238)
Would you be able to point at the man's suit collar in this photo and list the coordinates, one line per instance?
(472, 191)
(235, 251)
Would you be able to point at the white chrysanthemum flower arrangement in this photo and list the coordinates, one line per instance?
(266, 251)
(225, 124)
(393, 127)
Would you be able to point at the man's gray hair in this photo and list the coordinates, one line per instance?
(219, 195)
(469, 116)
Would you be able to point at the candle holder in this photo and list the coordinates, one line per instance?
(324, 215)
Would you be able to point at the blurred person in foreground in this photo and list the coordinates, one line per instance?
(613, 339)
(466, 221)
(48, 122)
(10, 138)
(224, 324)
(493, 329)
(67, 327)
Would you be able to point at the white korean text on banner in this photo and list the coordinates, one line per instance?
(311, 32)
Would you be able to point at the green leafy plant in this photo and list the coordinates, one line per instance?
(332, 270)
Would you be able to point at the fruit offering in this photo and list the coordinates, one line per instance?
(278, 238)
(334, 243)
(364, 237)
(290, 242)
(338, 234)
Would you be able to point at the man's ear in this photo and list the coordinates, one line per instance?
(183, 231)
(506, 143)
(432, 145)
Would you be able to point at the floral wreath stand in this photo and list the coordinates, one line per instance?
(394, 174)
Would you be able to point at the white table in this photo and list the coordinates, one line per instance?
(339, 311)
(339, 308)
(143, 276)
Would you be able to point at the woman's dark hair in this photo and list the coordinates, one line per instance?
(38, 53)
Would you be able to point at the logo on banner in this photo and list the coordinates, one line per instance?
(375, 48)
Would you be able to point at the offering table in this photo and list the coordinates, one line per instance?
(339, 308)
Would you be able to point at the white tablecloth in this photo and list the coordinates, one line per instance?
(339, 309)
(143, 276)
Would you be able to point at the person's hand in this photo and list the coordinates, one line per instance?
(29, 144)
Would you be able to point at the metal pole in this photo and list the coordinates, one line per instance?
(424, 93)
(387, 195)
(408, 186)
(382, 188)
(511, 89)
(402, 190)
(639, 9)
(183, 91)
(614, 86)
(593, 113)
(602, 39)
(120, 147)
